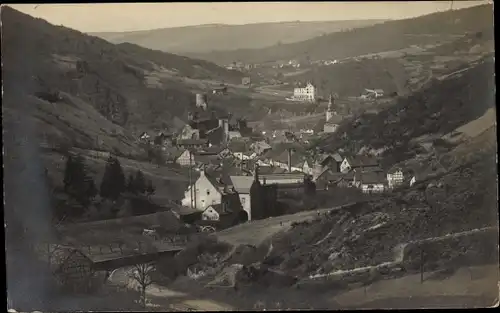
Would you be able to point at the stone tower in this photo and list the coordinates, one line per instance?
(201, 101)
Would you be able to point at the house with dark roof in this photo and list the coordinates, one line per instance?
(228, 213)
(176, 125)
(181, 156)
(193, 143)
(257, 199)
(241, 150)
(205, 160)
(395, 177)
(371, 182)
(219, 151)
(329, 178)
(359, 162)
(282, 179)
(291, 161)
(333, 161)
(260, 147)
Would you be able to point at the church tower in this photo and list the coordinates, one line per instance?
(329, 111)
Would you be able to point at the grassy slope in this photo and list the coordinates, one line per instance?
(351, 78)
(437, 109)
(391, 35)
(128, 85)
(206, 38)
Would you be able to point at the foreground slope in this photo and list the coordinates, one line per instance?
(206, 38)
(390, 35)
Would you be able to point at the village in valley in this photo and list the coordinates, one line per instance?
(226, 157)
(343, 164)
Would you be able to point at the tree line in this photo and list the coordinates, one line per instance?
(81, 186)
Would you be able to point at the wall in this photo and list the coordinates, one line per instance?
(395, 179)
(330, 128)
(183, 159)
(282, 181)
(210, 214)
(345, 166)
(245, 203)
(376, 188)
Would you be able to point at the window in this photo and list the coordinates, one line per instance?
(208, 192)
(243, 200)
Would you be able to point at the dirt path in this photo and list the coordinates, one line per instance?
(166, 299)
(255, 232)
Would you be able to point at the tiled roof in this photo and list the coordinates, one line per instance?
(282, 176)
(242, 184)
(239, 146)
(220, 209)
(206, 159)
(372, 178)
(192, 141)
(215, 181)
(337, 157)
(358, 161)
(173, 152)
(215, 136)
(213, 150)
(335, 119)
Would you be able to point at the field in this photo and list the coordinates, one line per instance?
(465, 287)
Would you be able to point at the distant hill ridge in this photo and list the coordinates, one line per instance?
(390, 35)
(206, 38)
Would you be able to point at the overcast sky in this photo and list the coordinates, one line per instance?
(103, 17)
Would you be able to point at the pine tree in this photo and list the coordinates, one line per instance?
(91, 189)
(150, 189)
(77, 183)
(113, 180)
(139, 182)
(105, 189)
(68, 171)
(130, 184)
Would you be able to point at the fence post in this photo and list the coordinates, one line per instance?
(421, 265)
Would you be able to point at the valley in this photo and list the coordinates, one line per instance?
(196, 168)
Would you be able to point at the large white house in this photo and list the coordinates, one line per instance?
(204, 192)
(394, 178)
(307, 93)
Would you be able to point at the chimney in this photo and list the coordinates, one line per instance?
(256, 173)
(289, 160)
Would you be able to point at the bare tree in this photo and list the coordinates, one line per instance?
(141, 274)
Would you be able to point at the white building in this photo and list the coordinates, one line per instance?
(205, 192)
(394, 178)
(308, 93)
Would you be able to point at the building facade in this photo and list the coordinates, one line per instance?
(307, 93)
(394, 178)
(204, 192)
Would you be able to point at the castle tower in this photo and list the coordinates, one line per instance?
(201, 101)
(329, 111)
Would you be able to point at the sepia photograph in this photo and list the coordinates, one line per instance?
(249, 156)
